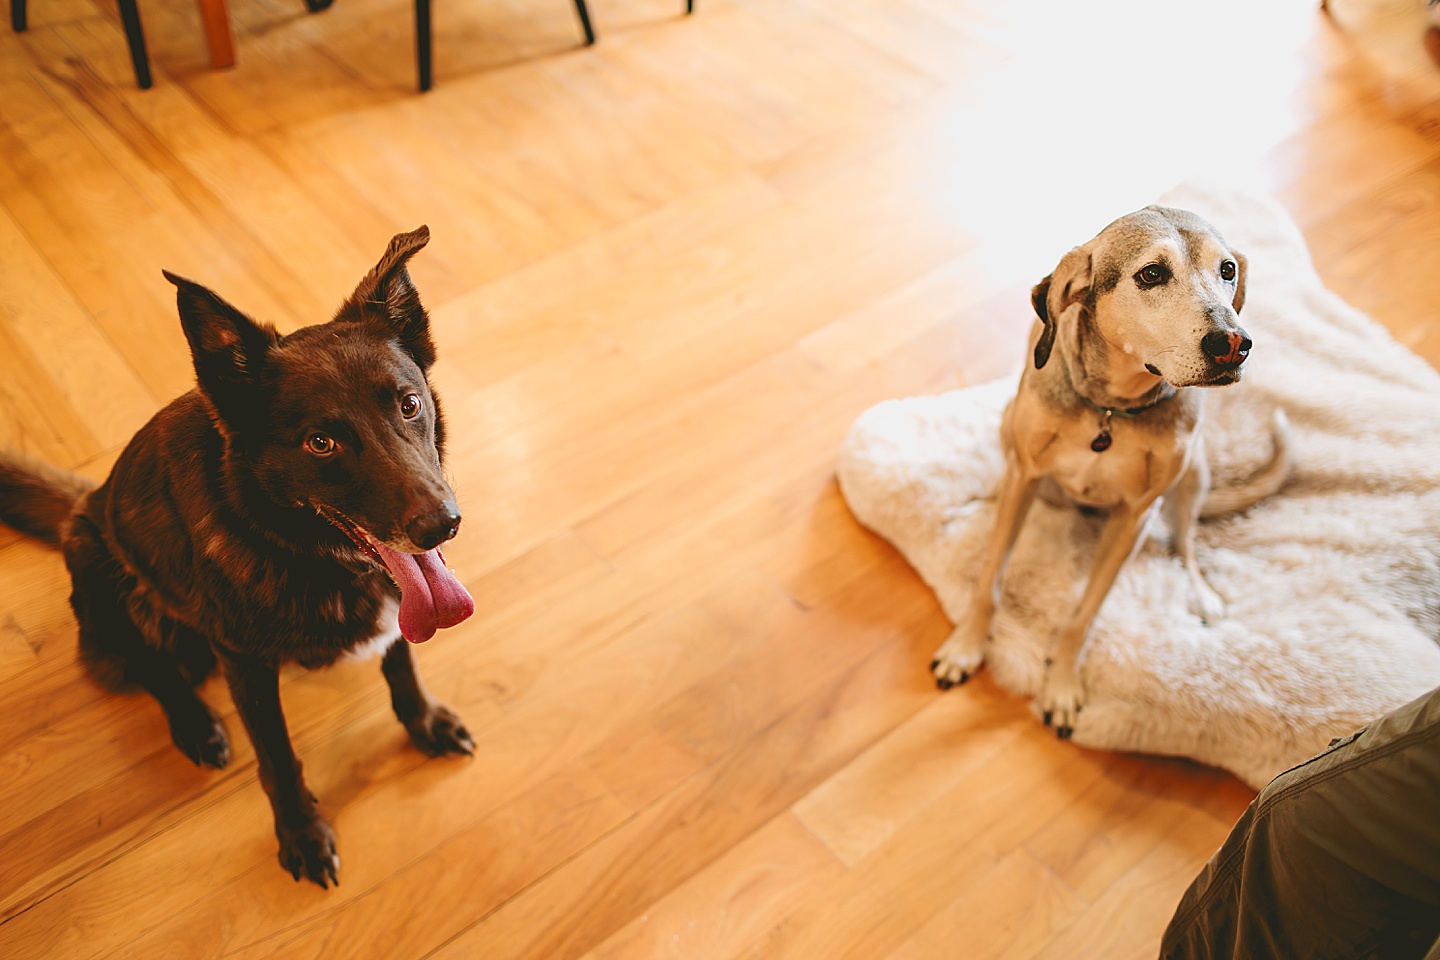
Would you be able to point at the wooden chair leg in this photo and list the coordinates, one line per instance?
(422, 43)
(584, 13)
(135, 37)
(219, 37)
(17, 15)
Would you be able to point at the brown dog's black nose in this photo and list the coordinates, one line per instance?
(429, 530)
(1228, 348)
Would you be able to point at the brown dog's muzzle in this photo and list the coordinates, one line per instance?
(1227, 348)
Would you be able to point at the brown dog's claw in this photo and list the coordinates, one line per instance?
(309, 851)
(439, 732)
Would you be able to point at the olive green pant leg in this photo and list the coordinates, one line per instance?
(1337, 859)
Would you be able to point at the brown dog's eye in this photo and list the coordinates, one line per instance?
(1227, 270)
(1152, 275)
(320, 445)
(410, 406)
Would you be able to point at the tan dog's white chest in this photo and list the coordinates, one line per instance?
(1136, 465)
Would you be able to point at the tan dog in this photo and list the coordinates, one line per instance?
(1106, 420)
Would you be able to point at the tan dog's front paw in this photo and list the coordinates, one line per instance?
(1061, 699)
(1207, 604)
(958, 659)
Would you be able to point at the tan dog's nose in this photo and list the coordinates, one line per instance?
(1228, 348)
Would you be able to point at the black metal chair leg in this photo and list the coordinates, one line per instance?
(585, 21)
(135, 37)
(422, 42)
(689, 6)
(315, 6)
(17, 15)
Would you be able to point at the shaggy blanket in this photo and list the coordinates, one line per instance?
(1332, 586)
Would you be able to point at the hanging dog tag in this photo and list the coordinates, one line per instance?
(1102, 440)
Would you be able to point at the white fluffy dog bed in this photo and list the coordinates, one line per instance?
(1332, 586)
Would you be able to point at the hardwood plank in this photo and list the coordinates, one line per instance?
(952, 741)
(1006, 913)
(506, 851)
(667, 273)
(42, 421)
(872, 909)
(1129, 918)
(668, 842)
(730, 902)
(59, 338)
(1120, 820)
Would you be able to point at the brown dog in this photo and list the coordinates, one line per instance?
(1106, 419)
(289, 509)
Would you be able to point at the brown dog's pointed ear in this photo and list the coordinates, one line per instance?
(227, 346)
(1243, 267)
(388, 294)
(1069, 284)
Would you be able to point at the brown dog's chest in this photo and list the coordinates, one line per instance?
(312, 611)
(313, 615)
(359, 619)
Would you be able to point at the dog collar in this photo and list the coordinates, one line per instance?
(1103, 439)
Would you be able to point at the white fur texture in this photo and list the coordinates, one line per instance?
(387, 633)
(1332, 586)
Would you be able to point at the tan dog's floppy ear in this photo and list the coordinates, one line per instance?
(1244, 268)
(1057, 293)
(1038, 295)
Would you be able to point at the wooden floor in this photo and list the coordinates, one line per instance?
(667, 272)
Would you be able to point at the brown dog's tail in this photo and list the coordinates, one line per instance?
(1265, 481)
(36, 498)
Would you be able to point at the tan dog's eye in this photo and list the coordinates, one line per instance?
(1152, 275)
(320, 445)
(1227, 270)
(410, 406)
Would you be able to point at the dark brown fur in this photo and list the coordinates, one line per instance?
(205, 543)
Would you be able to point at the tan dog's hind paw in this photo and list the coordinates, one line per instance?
(958, 659)
(1061, 699)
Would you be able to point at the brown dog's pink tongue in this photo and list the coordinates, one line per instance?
(430, 596)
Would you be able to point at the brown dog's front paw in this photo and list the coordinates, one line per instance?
(201, 736)
(438, 731)
(309, 851)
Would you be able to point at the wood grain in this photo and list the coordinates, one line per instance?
(667, 273)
